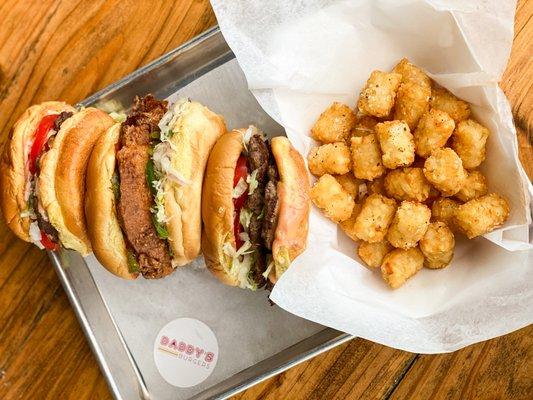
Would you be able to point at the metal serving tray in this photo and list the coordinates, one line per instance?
(121, 318)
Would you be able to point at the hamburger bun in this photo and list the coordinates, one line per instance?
(103, 228)
(195, 133)
(13, 165)
(61, 183)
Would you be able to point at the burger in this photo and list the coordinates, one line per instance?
(42, 174)
(255, 208)
(144, 187)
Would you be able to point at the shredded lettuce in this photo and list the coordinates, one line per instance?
(162, 159)
(252, 181)
(118, 117)
(239, 189)
(269, 268)
(35, 235)
(240, 264)
(244, 236)
(245, 217)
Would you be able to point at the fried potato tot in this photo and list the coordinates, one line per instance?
(347, 226)
(399, 265)
(433, 131)
(409, 224)
(482, 215)
(443, 210)
(334, 124)
(350, 183)
(437, 245)
(374, 219)
(377, 186)
(377, 97)
(412, 102)
(442, 99)
(331, 158)
(364, 125)
(469, 140)
(475, 186)
(372, 254)
(412, 74)
(396, 143)
(444, 170)
(407, 184)
(328, 195)
(366, 157)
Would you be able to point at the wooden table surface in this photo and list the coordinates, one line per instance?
(68, 49)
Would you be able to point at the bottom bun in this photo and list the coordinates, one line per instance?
(103, 227)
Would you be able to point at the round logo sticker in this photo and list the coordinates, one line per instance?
(185, 352)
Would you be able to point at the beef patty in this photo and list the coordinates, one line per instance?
(135, 196)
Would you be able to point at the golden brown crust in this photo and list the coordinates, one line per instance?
(195, 134)
(217, 204)
(103, 228)
(293, 200)
(13, 171)
(61, 183)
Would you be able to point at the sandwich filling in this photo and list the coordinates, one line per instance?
(42, 232)
(139, 191)
(255, 203)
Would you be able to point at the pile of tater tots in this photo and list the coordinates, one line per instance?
(399, 175)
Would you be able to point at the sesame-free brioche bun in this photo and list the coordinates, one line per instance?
(293, 199)
(217, 206)
(103, 228)
(61, 183)
(14, 172)
(195, 133)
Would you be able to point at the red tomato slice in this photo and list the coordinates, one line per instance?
(46, 124)
(241, 171)
(47, 243)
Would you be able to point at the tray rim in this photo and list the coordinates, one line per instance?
(336, 337)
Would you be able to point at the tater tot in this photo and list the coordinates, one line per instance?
(412, 73)
(443, 100)
(396, 143)
(475, 186)
(347, 226)
(433, 131)
(411, 103)
(437, 245)
(399, 265)
(329, 196)
(372, 254)
(481, 215)
(350, 183)
(469, 140)
(444, 170)
(331, 158)
(377, 97)
(366, 157)
(334, 124)
(409, 224)
(364, 125)
(407, 184)
(374, 219)
(443, 209)
(377, 186)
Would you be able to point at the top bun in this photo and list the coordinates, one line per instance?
(293, 200)
(61, 183)
(13, 165)
(195, 131)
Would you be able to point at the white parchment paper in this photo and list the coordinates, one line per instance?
(298, 57)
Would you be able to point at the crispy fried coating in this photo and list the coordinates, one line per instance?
(412, 102)
(377, 186)
(407, 184)
(334, 124)
(347, 226)
(372, 254)
(443, 209)
(469, 140)
(399, 265)
(433, 131)
(475, 186)
(411, 73)
(482, 215)
(328, 195)
(364, 125)
(374, 219)
(444, 170)
(409, 224)
(331, 158)
(366, 157)
(443, 100)
(437, 245)
(396, 143)
(350, 183)
(377, 97)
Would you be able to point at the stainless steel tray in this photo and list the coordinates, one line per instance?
(120, 318)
